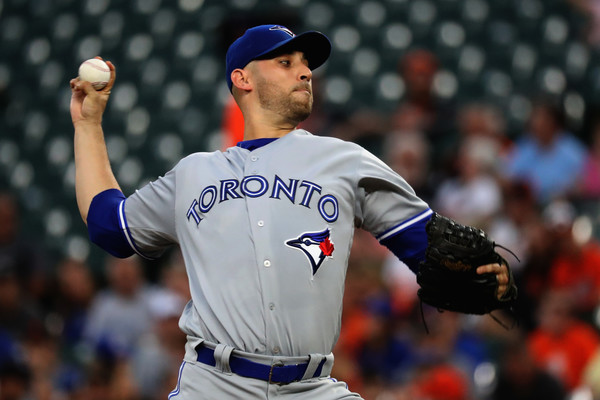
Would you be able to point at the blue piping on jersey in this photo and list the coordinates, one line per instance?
(127, 232)
(403, 225)
(177, 389)
(107, 225)
(408, 240)
(255, 143)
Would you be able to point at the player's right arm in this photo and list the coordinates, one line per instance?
(98, 193)
(93, 173)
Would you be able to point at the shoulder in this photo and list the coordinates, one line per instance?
(194, 159)
(302, 135)
(305, 137)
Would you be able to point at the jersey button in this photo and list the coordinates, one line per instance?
(271, 306)
(254, 158)
(267, 263)
(261, 223)
(276, 349)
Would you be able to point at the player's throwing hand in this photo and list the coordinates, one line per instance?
(88, 104)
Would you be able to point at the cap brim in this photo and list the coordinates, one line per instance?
(315, 46)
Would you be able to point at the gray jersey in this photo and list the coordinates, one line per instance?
(266, 234)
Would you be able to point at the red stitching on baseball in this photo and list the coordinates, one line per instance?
(98, 67)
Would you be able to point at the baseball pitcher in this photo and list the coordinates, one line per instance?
(266, 226)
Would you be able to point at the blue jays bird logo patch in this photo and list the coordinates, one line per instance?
(315, 246)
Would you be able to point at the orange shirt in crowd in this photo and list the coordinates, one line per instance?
(232, 124)
(580, 275)
(565, 355)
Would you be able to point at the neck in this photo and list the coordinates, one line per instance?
(258, 128)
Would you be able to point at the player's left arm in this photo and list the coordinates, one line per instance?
(390, 209)
(410, 243)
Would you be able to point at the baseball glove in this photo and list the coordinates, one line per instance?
(447, 277)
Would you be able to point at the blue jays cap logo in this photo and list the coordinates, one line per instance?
(315, 246)
(283, 29)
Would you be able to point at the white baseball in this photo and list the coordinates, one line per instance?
(95, 71)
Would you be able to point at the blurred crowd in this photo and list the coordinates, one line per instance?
(66, 333)
(535, 193)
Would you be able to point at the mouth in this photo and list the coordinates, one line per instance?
(303, 89)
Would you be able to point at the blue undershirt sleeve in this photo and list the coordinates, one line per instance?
(104, 226)
(409, 244)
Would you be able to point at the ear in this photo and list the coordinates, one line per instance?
(240, 79)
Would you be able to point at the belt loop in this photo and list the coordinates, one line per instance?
(327, 366)
(222, 354)
(313, 363)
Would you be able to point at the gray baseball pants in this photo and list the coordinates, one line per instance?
(199, 381)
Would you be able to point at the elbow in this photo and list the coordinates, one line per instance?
(104, 226)
(110, 240)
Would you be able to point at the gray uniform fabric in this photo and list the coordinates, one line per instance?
(266, 234)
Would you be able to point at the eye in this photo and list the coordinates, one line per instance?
(284, 61)
(307, 242)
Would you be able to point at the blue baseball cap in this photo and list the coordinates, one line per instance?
(259, 42)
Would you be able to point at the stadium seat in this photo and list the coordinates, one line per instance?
(474, 15)
(421, 17)
(318, 15)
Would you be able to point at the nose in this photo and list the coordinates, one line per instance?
(305, 73)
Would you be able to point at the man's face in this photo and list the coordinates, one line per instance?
(284, 85)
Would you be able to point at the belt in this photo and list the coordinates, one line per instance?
(277, 372)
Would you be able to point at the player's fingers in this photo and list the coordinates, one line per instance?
(502, 279)
(489, 268)
(501, 291)
(111, 81)
(86, 87)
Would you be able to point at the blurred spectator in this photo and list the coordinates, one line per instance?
(590, 9)
(449, 341)
(161, 350)
(17, 317)
(23, 256)
(407, 153)
(120, 314)
(385, 353)
(473, 196)
(75, 290)
(482, 120)
(51, 377)
(562, 345)
(109, 377)
(440, 382)
(156, 360)
(548, 157)
(575, 267)
(589, 185)
(591, 377)
(511, 224)
(421, 110)
(521, 379)
(232, 124)
(14, 382)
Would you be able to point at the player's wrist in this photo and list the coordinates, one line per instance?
(88, 123)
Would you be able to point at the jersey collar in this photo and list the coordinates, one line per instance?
(255, 143)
